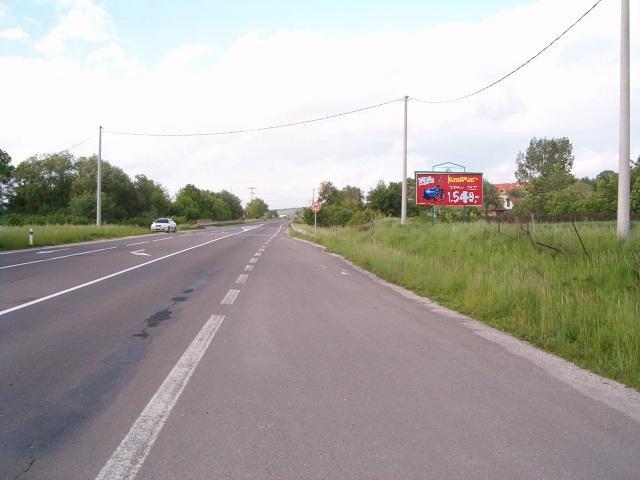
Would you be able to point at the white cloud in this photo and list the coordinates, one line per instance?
(276, 77)
(185, 56)
(83, 20)
(13, 34)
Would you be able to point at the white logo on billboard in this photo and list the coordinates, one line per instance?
(425, 181)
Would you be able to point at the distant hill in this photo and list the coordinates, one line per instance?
(290, 211)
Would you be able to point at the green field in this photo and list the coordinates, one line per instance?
(582, 306)
(45, 235)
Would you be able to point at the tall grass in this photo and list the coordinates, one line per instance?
(45, 235)
(583, 307)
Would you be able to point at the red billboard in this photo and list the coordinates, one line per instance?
(451, 189)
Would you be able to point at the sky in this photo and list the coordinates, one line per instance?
(162, 66)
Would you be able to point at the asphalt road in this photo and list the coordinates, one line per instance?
(243, 353)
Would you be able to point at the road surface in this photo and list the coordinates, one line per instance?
(244, 353)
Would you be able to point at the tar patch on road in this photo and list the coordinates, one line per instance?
(45, 433)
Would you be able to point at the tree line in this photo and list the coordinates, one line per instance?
(547, 188)
(59, 188)
(544, 171)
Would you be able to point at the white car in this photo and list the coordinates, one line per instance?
(164, 225)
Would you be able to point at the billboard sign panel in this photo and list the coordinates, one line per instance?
(450, 189)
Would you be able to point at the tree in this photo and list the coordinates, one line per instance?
(605, 198)
(257, 208)
(233, 203)
(635, 186)
(43, 184)
(6, 171)
(543, 169)
(351, 198)
(188, 202)
(119, 199)
(386, 199)
(491, 198)
(152, 199)
(328, 193)
(576, 198)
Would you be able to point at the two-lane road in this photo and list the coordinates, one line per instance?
(249, 354)
(76, 324)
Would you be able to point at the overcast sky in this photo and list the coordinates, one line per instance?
(154, 66)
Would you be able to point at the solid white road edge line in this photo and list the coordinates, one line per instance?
(55, 258)
(230, 297)
(106, 277)
(127, 459)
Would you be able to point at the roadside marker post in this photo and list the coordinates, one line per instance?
(30, 237)
(315, 208)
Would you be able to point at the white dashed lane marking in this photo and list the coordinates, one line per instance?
(51, 251)
(230, 297)
(248, 268)
(56, 258)
(253, 260)
(242, 279)
(137, 243)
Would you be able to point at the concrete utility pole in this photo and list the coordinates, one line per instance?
(624, 171)
(403, 207)
(99, 181)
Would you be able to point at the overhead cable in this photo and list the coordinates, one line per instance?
(515, 70)
(249, 130)
(78, 144)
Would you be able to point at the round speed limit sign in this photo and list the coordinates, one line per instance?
(315, 207)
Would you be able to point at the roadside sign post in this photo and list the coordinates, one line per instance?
(315, 208)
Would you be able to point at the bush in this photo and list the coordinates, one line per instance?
(361, 217)
(140, 220)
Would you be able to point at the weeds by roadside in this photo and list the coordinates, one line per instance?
(46, 235)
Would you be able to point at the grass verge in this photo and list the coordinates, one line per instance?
(542, 288)
(46, 235)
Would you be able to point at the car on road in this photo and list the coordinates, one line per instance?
(164, 225)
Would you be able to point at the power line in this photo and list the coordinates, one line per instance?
(512, 72)
(249, 130)
(78, 144)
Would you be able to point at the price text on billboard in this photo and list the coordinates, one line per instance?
(449, 189)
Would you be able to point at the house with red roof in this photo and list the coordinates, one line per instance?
(505, 189)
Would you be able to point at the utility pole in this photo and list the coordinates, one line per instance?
(624, 169)
(99, 181)
(252, 190)
(403, 207)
